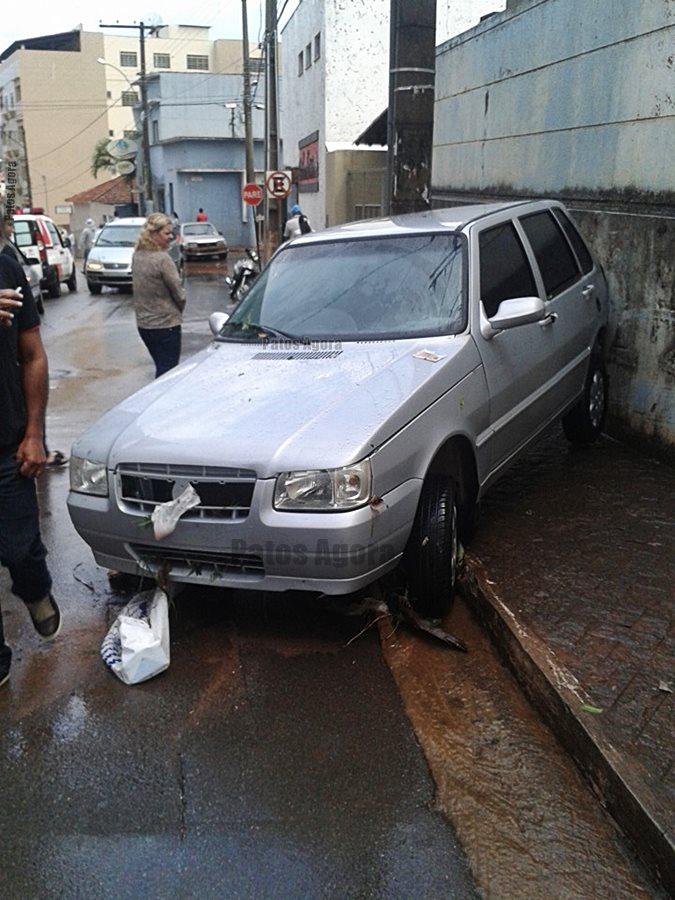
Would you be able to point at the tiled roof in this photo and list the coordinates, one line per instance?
(117, 190)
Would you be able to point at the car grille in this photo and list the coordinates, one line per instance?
(199, 564)
(225, 494)
(116, 266)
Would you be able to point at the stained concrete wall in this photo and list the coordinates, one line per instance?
(573, 99)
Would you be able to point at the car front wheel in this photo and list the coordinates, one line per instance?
(54, 285)
(93, 288)
(430, 558)
(72, 281)
(584, 422)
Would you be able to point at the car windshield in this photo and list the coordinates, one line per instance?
(363, 289)
(118, 236)
(199, 229)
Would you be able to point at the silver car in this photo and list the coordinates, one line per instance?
(349, 415)
(109, 260)
(202, 239)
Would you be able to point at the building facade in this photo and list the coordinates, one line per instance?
(57, 100)
(197, 151)
(560, 99)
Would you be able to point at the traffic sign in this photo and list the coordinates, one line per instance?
(252, 194)
(278, 184)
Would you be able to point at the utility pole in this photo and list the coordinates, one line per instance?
(272, 217)
(410, 123)
(248, 125)
(147, 193)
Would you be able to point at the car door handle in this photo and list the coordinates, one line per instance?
(588, 290)
(549, 320)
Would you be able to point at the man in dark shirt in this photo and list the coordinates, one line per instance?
(23, 398)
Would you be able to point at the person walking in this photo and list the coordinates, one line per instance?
(201, 216)
(23, 399)
(159, 298)
(296, 224)
(87, 240)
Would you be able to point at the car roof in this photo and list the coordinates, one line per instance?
(452, 218)
(183, 224)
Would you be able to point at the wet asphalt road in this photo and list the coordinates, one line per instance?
(270, 760)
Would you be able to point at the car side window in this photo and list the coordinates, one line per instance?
(554, 257)
(505, 272)
(575, 239)
(55, 236)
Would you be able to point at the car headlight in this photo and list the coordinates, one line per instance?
(330, 490)
(192, 246)
(88, 477)
(94, 267)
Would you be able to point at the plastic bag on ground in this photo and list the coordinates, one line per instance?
(136, 647)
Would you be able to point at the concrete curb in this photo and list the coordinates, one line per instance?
(558, 697)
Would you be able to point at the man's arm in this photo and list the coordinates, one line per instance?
(34, 379)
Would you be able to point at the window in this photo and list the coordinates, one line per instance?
(556, 262)
(155, 132)
(129, 98)
(505, 272)
(108, 95)
(111, 133)
(131, 135)
(128, 59)
(573, 236)
(162, 60)
(317, 46)
(195, 61)
(17, 91)
(308, 56)
(301, 64)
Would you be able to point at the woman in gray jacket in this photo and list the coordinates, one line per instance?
(159, 297)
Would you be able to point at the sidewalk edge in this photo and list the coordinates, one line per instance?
(558, 696)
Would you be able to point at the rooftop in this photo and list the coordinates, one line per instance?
(113, 192)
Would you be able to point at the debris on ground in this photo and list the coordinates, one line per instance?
(137, 646)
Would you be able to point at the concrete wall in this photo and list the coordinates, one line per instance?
(357, 177)
(561, 98)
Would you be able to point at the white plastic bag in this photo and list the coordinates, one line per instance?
(165, 516)
(136, 647)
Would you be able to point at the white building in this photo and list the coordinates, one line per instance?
(334, 83)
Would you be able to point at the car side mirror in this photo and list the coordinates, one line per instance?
(216, 322)
(512, 313)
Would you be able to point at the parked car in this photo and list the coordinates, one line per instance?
(374, 382)
(38, 237)
(32, 268)
(202, 239)
(109, 260)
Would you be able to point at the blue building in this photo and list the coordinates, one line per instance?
(197, 152)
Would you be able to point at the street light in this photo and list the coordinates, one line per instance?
(104, 62)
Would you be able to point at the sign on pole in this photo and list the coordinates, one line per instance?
(252, 194)
(278, 184)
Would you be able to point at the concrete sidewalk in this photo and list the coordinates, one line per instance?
(573, 572)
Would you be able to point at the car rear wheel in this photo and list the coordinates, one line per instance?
(40, 306)
(72, 281)
(583, 424)
(430, 558)
(54, 285)
(94, 288)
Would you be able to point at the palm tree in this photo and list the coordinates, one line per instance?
(101, 159)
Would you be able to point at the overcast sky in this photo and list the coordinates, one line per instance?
(43, 17)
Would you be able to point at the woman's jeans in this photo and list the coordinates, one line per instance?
(164, 347)
(21, 548)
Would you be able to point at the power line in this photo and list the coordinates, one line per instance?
(70, 139)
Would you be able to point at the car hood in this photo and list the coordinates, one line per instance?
(203, 239)
(253, 407)
(111, 255)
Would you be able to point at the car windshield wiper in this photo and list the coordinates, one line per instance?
(276, 332)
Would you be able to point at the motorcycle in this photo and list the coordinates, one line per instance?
(244, 273)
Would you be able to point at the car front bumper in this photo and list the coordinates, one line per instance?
(269, 550)
(110, 278)
(205, 250)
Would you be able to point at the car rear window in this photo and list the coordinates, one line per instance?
(25, 234)
(505, 272)
(575, 239)
(554, 257)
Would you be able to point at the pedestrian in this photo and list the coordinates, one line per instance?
(159, 298)
(296, 224)
(87, 240)
(201, 216)
(23, 398)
